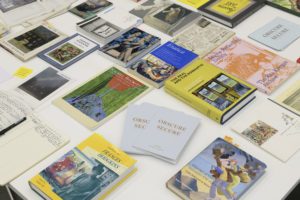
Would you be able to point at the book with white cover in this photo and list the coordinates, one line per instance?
(271, 127)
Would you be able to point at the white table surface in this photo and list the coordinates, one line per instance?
(149, 181)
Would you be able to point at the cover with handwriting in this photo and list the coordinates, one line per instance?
(221, 171)
(259, 67)
(210, 90)
(202, 37)
(101, 97)
(271, 127)
(89, 171)
(230, 12)
(277, 34)
(156, 67)
(291, 6)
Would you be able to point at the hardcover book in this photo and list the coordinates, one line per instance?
(194, 3)
(101, 97)
(90, 8)
(277, 34)
(291, 6)
(202, 37)
(165, 16)
(162, 63)
(269, 126)
(221, 171)
(230, 12)
(68, 51)
(130, 47)
(89, 171)
(259, 67)
(210, 90)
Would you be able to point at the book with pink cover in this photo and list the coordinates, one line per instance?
(259, 67)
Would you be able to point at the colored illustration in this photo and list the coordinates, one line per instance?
(259, 132)
(90, 8)
(105, 94)
(289, 4)
(65, 53)
(172, 14)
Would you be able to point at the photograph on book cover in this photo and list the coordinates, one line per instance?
(65, 53)
(90, 8)
(172, 14)
(7, 5)
(149, 7)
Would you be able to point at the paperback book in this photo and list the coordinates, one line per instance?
(89, 171)
(259, 67)
(221, 171)
(194, 3)
(68, 51)
(90, 8)
(165, 16)
(156, 67)
(98, 99)
(290, 6)
(210, 90)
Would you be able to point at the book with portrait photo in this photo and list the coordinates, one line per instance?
(90, 8)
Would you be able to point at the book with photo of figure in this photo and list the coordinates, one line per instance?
(90, 8)
(290, 6)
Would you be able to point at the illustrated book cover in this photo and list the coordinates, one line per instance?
(270, 126)
(230, 12)
(98, 99)
(165, 16)
(210, 90)
(31, 41)
(89, 171)
(90, 8)
(202, 37)
(259, 67)
(130, 47)
(291, 6)
(221, 171)
(68, 51)
(156, 67)
(277, 34)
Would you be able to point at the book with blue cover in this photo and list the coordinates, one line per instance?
(162, 63)
(277, 34)
(68, 51)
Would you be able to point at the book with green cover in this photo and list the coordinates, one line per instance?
(290, 6)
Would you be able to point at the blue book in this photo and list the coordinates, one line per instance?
(162, 63)
(277, 34)
(68, 51)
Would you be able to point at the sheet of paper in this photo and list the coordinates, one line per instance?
(4, 76)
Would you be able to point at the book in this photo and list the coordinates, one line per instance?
(165, 16)
(290, 6)
(220, 171)
(31, 41)
(194, 3)
(68, 51)
(277, 34)
(90, 8)
(210, 90)
(130, 47)
(259, 67)
(156, 67)
(101, 97)
(230, 12)
(202, 37)
(91, 170)
(109, 26)
(269, 126)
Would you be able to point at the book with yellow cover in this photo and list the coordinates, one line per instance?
(194, 3)
(89, 171)
(212, 91)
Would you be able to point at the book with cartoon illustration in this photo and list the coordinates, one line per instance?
(290, 6)
(210, 90)
(259, 67)
(89, 171)
(221, 171)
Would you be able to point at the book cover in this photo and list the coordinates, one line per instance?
(130, 46)
(68, 51)
(162, 63)
(165, 16)
(270, 126)
(291, 6)
(90, 8)
(212, 91)
(230, 12)
(259, 67)
(221, 171)
(98, 99)
(202, 37)
(277, 34)
(88, 171)
(10, 5)
(194, 3)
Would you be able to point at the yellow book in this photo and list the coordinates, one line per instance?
(91, 171)
(212, 91)
(194, 3)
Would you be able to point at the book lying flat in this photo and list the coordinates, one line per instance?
(290, 6)
(90, 8)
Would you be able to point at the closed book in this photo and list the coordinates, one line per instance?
(90, 171)
(220, 171)
(212, 91)
(289, 6)
(194, 3)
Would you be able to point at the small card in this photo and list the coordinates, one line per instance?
(4, 76)
(23, 72)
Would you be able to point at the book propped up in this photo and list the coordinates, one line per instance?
(89, 171)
